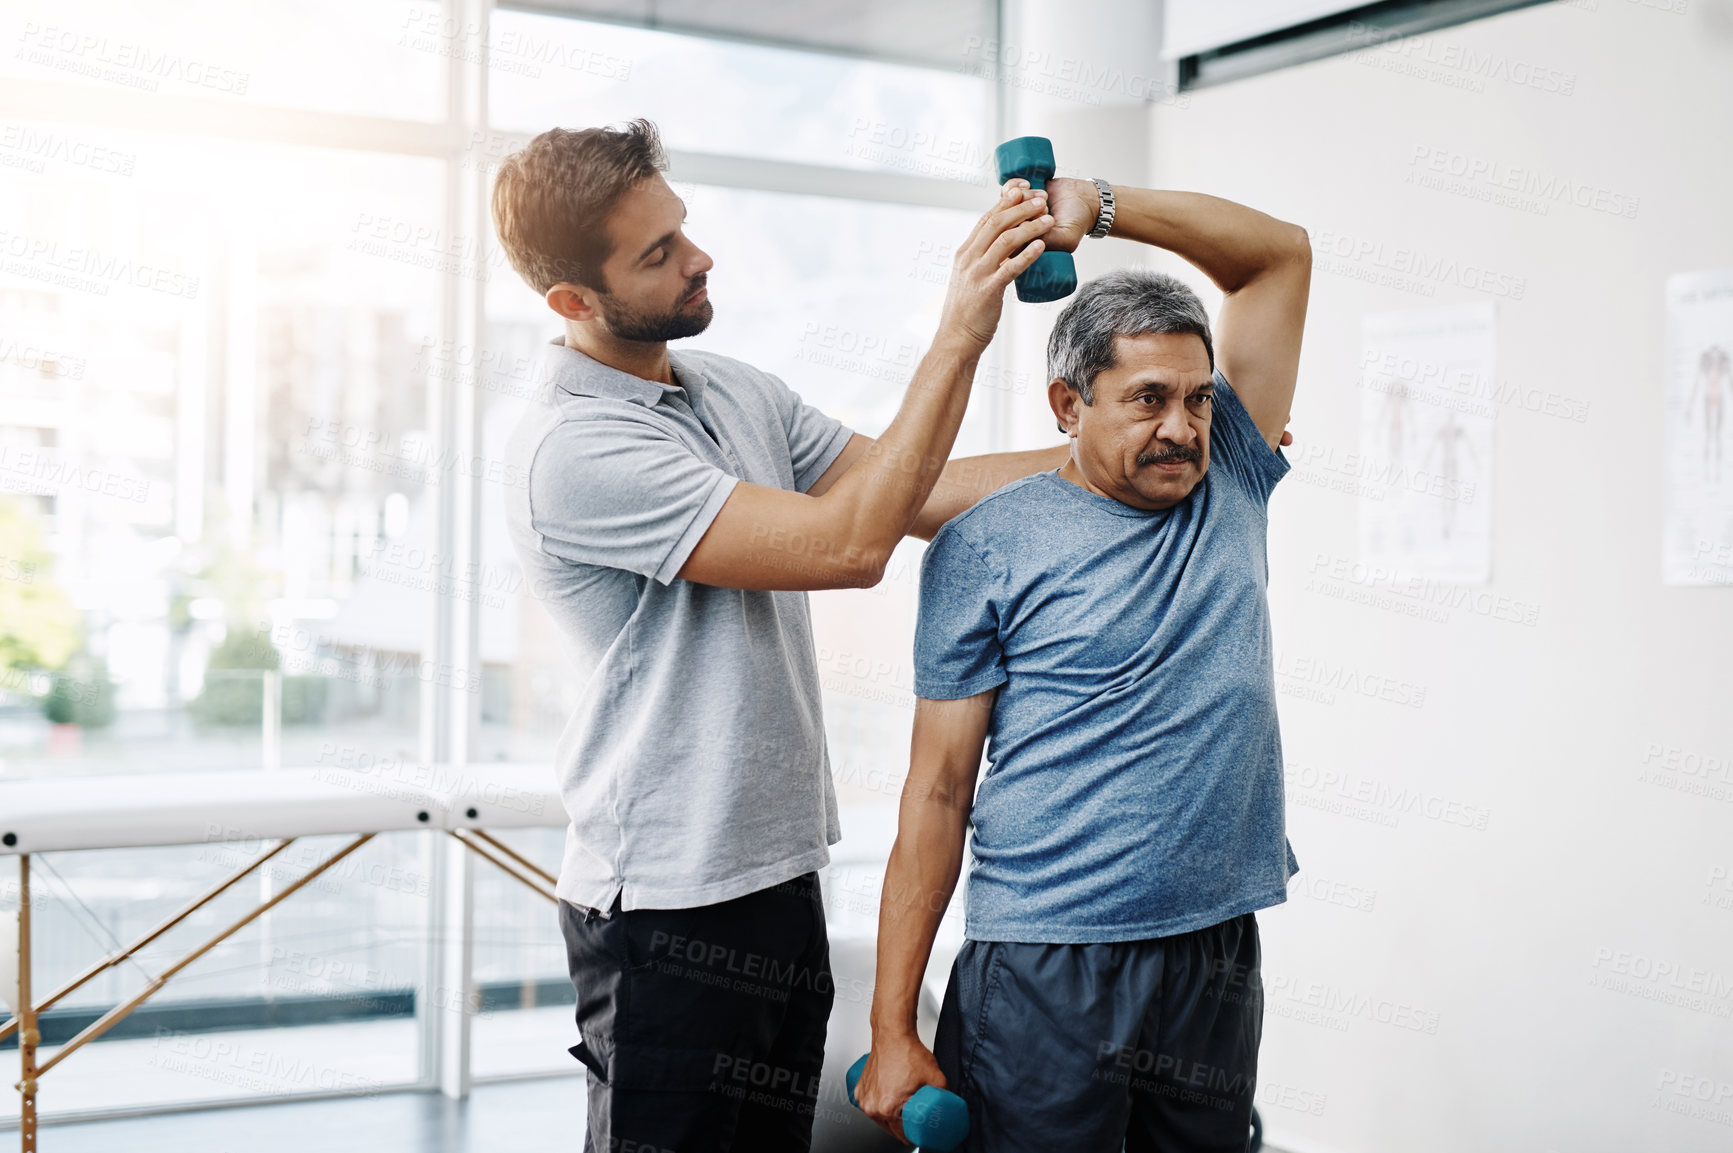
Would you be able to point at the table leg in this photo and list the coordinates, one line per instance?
(28, 1036)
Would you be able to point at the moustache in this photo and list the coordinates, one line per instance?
(698, 282)
(1176, 454)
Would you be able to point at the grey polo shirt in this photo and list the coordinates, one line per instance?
(694, 767)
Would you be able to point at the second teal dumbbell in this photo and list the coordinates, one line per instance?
(1054, 274)
(935, 1119)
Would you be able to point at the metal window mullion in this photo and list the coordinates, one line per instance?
(434, 706)
(999, 411)
(60, 102)
(456, 683)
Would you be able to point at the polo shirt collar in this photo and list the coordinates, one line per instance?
(689, 377)
(581, 375)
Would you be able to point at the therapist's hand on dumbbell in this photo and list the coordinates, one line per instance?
(1002, 245)
(897, 1068)
(1075, 205)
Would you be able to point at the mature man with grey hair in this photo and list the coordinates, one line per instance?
(1106, 627)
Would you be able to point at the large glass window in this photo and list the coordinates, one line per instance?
(739, 99)
(378, 58)
(208, 421)
(213, 435)
(221, 456)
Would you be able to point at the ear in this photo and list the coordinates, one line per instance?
(573, 301)
(1065, 402)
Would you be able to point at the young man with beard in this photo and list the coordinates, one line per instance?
(1106, 627)
(678, 506)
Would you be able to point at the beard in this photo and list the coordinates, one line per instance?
(643, 326)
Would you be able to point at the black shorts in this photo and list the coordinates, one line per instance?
(1153, 1044)
(703, 1029)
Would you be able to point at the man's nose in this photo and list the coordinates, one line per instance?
(1175, 426)
(700, 263)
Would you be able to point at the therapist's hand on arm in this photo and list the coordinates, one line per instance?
(932, 824)
(852, 518)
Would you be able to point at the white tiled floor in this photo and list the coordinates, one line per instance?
(542, 1116)
(526, 1116)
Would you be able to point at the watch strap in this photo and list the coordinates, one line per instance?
(1104, 220)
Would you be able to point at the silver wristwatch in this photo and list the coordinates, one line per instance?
(1103, 222)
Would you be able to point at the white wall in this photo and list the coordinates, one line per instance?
(1497, 937)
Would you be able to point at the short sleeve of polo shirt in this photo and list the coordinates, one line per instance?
(957, 650)
(814, 439)
(1238, 448)
(623, 494)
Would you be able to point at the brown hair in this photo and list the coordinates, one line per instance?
(552, 199)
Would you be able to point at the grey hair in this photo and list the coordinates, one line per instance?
(1131, 302)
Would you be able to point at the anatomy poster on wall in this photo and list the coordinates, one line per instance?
(1697, 543)
(1426, 442)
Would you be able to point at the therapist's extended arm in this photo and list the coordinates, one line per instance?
(961, 484)
(848, 529)
(932, 824)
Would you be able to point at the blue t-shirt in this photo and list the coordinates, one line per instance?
(1134, 786)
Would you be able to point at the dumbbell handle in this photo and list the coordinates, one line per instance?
(934, 1118)
(1054, 274)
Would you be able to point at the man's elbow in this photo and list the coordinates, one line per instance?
(1286, 256)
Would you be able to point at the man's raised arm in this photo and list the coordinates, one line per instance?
(846, 533)
(1263, 265)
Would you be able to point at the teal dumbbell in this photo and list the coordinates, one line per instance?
(933, 1118)
(1054, 274)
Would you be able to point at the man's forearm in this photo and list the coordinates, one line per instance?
(919, 880)
(1233, 245)
(966, 481)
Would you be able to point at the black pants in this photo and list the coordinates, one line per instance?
(702, 1029)
(1082, 1047)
